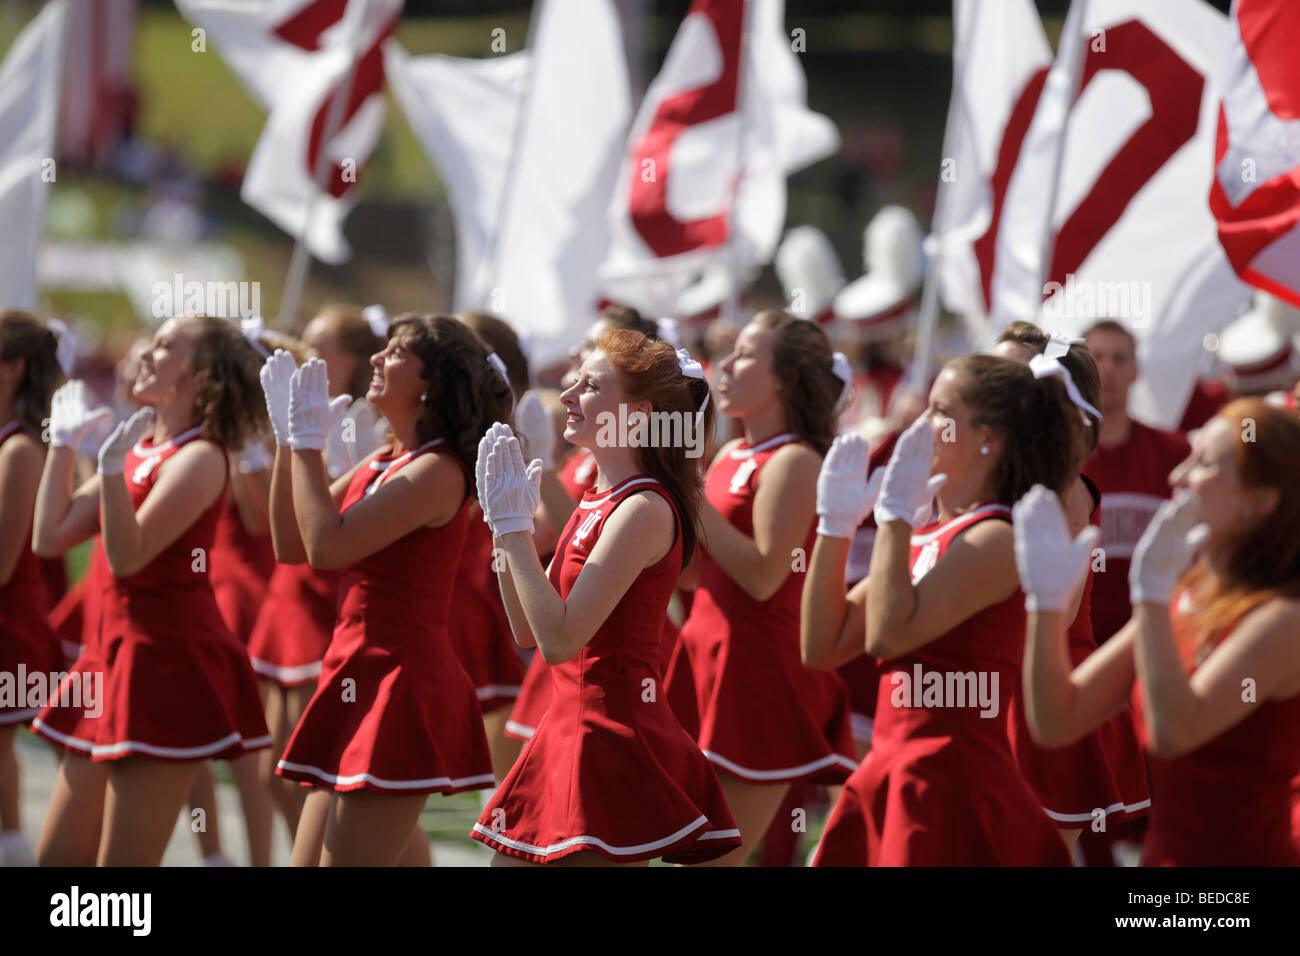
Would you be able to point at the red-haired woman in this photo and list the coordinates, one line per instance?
(941, 609)
(609, 776)
(1209, 658)
(765, 719)
(177, 688)
(394, 717)
(29, 371)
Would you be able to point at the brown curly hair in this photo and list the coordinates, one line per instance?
(25, 336)
(465, 394)
(229, 406)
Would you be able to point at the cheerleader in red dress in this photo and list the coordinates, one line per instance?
(765, 720)
(1104, 774)
(941, 609)
(177, 688)
(1215, 677)
(29, 371)
(609, 776)
(394, 717)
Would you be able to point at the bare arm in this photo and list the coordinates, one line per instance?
(285, 538)
(188, 484)
(427, 491)
(557, 506)
(832, 625)
(785, 504)
(63, 519)
(1255, 663)
(977, 571)
(638, 534)
(20, 475)
(251, 492)
(510, 598)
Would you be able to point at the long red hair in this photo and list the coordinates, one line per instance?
(1263, 557)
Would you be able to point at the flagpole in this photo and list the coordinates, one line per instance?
(928, 319)
(1047, 243)
(300, 261)
(489, 261)
(731, 305)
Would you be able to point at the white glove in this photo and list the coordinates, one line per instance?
(536, 428)
(277, 372)
(310, 409)
(253, 457)
(112, 454)
(1165, 550)
(71, 419)
(844, 496)
(908, 487)
(485, 446)
(1052, 565)
(512, 491)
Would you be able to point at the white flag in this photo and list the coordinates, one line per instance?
(29, 112)
(1254, 194)
(552, 231)
(464, 113)
(1000, 62)
(703, 177)
(1132, 235)
(296, 57)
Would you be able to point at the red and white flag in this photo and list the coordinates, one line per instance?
(1000, 61)
(317, 66)
(1135, 88)
(465, 113)
(29, 112)
(1255, 195)
(703, 178)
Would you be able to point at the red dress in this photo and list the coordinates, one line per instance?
(577, 475)
(610, 769)
(1106, 770)
(394, 711)
(1229, 802)
(242, 564)
(175, 684)
(295, 624)
(940, 786)
(480, 631)
(764, 717)
(26, 639)
(75, 618)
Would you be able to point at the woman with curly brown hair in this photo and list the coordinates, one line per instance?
(169, 686)
(394, 717)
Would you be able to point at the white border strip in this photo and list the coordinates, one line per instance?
(462, 783)
(520, 730)
(135, 746)
(792, 772)
(700, 821)
(294, 675)
(920, 539)
(1085, 817)
(763, 445)
(630, 483)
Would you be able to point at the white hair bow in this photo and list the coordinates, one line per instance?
(1043, 366)
(1059, 345)
(378, 319)
(691, 369)
(668, 332)
(252, 329)
(842, 370)
(65, 352)
(495, 361)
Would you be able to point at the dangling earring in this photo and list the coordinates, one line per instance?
(424, 396)
(984, 449)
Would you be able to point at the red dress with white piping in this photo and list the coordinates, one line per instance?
(763, 716)
(480, 630)
(1103, 774)
(1232, 801)
(940, 786)
(394, 711)
(295, 624)
(26, 639)
(241, 566)
(609, 768)
(175, 684)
